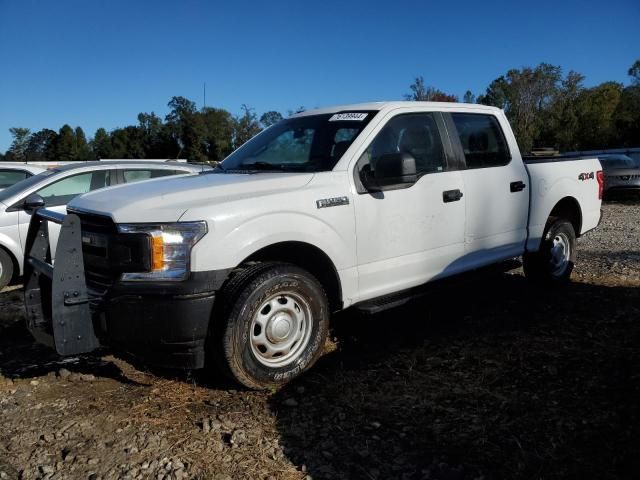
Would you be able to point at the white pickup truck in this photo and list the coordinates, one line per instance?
(353, 206)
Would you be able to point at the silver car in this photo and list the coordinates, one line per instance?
(11, 173)
(621, 173)
(55, 188)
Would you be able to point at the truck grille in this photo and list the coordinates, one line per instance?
(97, 232)
(107, 254)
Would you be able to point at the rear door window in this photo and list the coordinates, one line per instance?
(137, 175)
(482, 140)
(9, 176)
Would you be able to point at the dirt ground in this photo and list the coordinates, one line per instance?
(488, 379)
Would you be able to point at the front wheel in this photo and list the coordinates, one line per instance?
(555, 260)
(6, 269)
(276, 326)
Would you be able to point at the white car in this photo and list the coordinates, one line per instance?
(57, 186)
(11, 173)
(358, 206)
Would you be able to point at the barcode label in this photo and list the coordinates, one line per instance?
(353, 116)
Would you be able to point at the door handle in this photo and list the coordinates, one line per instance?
(517, 186)
(451, 196)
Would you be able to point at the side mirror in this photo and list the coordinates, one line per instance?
(392, 171)
(33, 201)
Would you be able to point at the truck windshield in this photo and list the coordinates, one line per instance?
(311, 143)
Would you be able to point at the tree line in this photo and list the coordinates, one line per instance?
(549, 109)
(545, 108)
(208, 134)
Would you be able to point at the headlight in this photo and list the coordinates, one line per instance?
(170, 249)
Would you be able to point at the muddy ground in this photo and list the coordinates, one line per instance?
(490, 379)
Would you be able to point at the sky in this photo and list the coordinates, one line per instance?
(95, 63)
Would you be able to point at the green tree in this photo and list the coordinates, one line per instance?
(19, 144)
(469, 97)
(270, 118)
(65, 144)
(634, 72)
(157, 143)
(562, 123)
(101, 145)
(82, 150)
(219, 130)
(627, 113)
(127, 142)
(186, 128)
(41, 146)
(245, 126)
(596, 116)
(422, 93)
(526, 96)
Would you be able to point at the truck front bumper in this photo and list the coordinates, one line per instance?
(74, 310)
(167, 331)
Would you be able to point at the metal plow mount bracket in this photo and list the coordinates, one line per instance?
(56, 297)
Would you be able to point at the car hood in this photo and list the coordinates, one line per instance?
(167, 199)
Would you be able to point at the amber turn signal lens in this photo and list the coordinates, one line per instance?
(157, 253)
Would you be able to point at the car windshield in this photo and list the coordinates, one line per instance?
(25, 184)
(311, 143)
(617, 162)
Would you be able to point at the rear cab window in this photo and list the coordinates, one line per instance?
(138, 174)
(482, 140)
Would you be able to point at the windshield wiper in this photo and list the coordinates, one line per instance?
(260, 166)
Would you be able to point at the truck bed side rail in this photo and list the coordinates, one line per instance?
(56, 298)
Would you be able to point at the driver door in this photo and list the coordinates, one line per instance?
(408, 236)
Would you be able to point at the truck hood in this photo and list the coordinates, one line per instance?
(167, 199)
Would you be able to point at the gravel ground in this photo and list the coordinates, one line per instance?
(490, 379)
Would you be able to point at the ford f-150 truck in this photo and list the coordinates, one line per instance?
(353, 206)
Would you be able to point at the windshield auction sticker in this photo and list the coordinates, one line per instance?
(353, 116)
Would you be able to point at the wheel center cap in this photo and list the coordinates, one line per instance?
(279, 329)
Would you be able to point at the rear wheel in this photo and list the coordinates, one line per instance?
(554, 262)
(6, 269)
(277, 320)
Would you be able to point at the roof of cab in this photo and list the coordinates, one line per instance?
(390, 105)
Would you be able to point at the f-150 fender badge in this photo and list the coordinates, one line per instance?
(332, 202)
(586, 176)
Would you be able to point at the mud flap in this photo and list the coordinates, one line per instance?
(56, 297)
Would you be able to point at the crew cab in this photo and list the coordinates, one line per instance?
(357, 206)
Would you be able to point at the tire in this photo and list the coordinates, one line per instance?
(276, 323)
(6, 268)
(554, 262)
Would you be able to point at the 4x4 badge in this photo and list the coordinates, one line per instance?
(332, 202)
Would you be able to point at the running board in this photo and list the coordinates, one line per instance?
(392, 300)
(397, 299)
